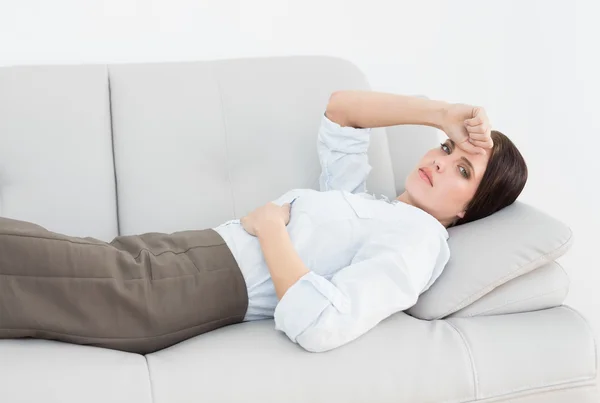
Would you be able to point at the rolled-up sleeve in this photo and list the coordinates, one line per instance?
(321, 315)
(343, 156)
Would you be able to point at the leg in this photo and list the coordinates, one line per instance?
(138, 293)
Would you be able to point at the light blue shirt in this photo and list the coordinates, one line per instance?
(368, 258)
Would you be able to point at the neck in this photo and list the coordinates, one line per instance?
(406, 198)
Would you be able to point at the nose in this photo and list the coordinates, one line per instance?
(439, 164)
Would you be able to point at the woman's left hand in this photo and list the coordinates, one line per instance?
(269, 214)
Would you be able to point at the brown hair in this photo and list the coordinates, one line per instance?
(503, 180)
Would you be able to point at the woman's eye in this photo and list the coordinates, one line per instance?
(462, 170)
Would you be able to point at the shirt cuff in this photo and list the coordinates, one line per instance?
(347, 139)
(303, 303)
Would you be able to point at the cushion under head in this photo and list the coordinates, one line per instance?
(489, 252)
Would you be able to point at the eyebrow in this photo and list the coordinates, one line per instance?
(463, 157)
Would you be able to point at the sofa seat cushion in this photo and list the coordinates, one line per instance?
(403, 359)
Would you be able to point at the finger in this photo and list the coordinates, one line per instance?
(480, 136)
(489, 143)
(480, 112)
(476, 121)
(477, 129)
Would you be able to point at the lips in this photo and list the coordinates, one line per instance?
(427, 175)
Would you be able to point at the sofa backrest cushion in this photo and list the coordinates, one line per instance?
(56, 160)
(200, 143)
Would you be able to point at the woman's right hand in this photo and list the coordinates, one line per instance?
(469, 127)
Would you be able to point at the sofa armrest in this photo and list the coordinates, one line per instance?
(551, 348)
(542, 288)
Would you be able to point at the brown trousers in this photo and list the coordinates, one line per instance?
(138, 293)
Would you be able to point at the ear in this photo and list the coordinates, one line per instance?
(461, 214)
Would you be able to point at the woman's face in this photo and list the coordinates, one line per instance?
(454, 181)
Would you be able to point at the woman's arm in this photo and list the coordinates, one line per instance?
(281, 257)
(378, 109)
(467, 125)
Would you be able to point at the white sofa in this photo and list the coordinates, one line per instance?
(104, 150)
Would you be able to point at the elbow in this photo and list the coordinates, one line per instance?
(337, 107)
(315, 348)
(316, 342)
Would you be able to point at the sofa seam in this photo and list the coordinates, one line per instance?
(471, 360)
(591, 332)
(510, 394)
(222, 104)
(112, 141)
(516, 301)
(149, 379)
(508, 277)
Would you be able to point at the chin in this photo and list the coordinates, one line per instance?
(412, 187)
(420, 191)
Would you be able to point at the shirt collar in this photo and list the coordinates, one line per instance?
(431, 219)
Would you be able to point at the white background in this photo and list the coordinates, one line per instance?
(534, 65)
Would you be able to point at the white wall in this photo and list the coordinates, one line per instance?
(533, 64)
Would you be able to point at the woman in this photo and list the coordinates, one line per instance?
(396, 250)
(327, 270)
